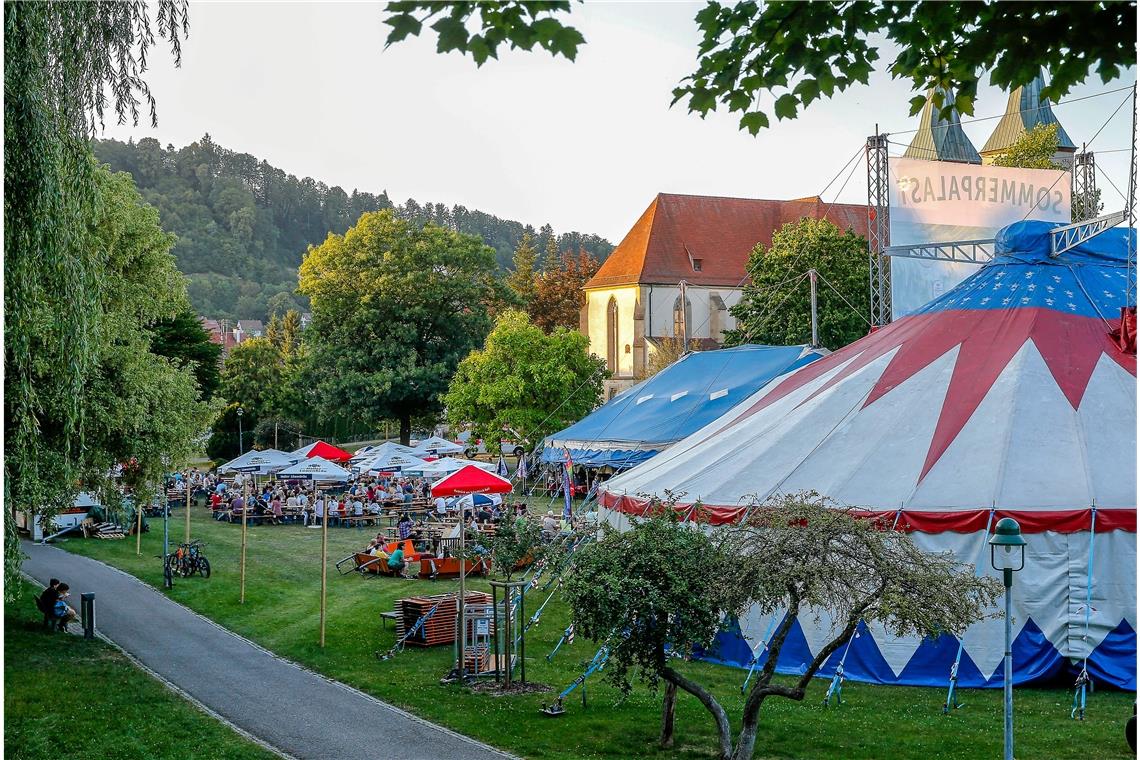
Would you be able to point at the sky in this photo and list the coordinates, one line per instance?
(583, 145)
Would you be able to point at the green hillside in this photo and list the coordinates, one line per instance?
(243, 225)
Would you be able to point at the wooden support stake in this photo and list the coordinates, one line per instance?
(324, 569)
(187, 507)
(244, 513)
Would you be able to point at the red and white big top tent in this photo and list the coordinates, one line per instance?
(1006, 396)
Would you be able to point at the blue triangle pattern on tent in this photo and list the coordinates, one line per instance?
(1113, 662)
(863, 658)
(1036, 659)
(933, 660)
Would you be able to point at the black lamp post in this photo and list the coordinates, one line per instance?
(1007, 553)
(241, 445)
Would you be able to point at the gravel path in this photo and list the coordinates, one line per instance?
(292, 710)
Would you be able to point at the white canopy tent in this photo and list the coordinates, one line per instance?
(375, 452)
(393, 461)
(436, 445)
(258, 462)
(315, 469)
(448, 465)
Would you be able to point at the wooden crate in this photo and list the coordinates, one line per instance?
(440, 627)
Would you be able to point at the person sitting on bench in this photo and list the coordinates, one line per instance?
(396, 562)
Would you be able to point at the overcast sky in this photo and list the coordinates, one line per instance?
(584, 146)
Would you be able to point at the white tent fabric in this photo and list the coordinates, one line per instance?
(258, 462)
(1003, 397)
(448, 465)
(437, 445)
(315, 469)
(392, 461)
(381, 450)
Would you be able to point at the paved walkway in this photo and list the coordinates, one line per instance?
(291, 709)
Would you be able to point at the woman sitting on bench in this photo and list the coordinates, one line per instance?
(396, 562)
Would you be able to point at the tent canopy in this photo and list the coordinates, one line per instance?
(383, 449)
(393, 461)
(437, 445)
(677, 401)
(451, 464)
(258, 462)
(470, 479)
(325, 451)
(315, 469)
(1004, 397)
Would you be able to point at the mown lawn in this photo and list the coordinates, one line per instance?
(281, 613)
(67, 697)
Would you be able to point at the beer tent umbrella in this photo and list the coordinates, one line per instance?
(383, 449)
(323, 450)
(468, 480)
(393, 461)
(448, 465)
(258, 462)
(319, 470)
(436, 445)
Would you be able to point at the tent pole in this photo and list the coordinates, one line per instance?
(138, 528)
(244, 515)
(187, 507)
(814, 311)
(462, 593)
(324, 570)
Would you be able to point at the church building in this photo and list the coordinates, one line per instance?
(695, 243)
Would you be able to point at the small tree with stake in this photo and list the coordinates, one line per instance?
(800, 553)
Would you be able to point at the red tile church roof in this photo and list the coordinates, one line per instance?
(720, 232)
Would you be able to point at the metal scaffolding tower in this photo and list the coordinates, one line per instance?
(1130, 293)
(1084, 186)
(878, 228)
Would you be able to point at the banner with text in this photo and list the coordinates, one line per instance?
(941, 201)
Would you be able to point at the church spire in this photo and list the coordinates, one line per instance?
(940, 139)
(1025, 110)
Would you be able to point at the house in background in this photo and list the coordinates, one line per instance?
(248, 328)
(634, 302)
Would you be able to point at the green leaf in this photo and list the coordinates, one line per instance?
(452, 34)
(403, 26)
(808, 90)
(785, 106)
(754, 122)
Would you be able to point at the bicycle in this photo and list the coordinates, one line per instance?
(188, 559)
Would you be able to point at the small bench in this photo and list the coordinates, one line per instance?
(386, 616)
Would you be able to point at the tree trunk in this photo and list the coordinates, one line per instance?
(745, 742)
(724, 733)
(668, 709)
(405, 429)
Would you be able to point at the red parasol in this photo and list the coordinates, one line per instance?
(470, 479)
(329, 452)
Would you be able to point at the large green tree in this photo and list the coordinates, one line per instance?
(252, 377)
(525, 380)
(762, 58)
(65, 65)
(521, 279)
(776, 305)
(183, 339)
(395, 309)
(142, 408)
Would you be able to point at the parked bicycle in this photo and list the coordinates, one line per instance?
(188, 559)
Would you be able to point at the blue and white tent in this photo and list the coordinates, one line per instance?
(677, 401)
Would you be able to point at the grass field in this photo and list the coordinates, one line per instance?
(67, 697)
(281, 613)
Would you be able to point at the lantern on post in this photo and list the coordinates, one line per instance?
(1007, 554)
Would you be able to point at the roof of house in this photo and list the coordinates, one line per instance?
(1025, 110)
(250, 325)
(939, 139)
(718, 232)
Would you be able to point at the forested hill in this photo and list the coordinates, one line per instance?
(243, 225)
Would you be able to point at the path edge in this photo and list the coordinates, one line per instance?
(178, 690)
(304, 668)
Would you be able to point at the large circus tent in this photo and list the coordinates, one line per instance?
(1006, 396)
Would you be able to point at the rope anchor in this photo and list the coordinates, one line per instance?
(1083, 685)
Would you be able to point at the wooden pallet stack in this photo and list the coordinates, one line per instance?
(440, 627)
(105, 530)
